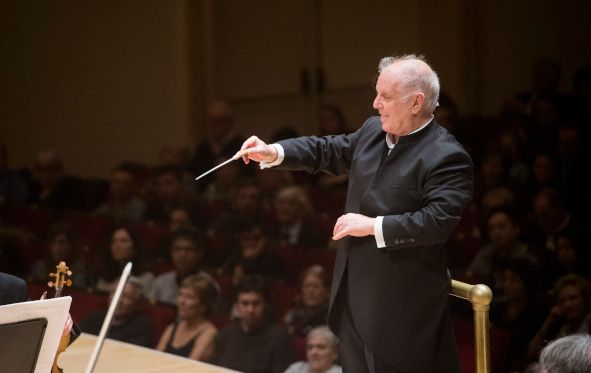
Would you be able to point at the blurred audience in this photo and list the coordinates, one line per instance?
(311, 309)
(129, 324)
(253, 343)
(123, 245)
(321, 353)
(192, 335)
(61, 244)
(123, 204)
(187, 252)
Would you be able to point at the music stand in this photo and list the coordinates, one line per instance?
(30, 333)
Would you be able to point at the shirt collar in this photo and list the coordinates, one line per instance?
(390, 138)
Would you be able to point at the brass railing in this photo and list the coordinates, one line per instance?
(480, 296)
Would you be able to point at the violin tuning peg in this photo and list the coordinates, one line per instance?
(69, 283)
(50, 284)
(69, 273)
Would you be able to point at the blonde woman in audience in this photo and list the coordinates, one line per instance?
(321, 353)
(192, 335)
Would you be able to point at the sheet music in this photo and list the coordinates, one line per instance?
(55, 310)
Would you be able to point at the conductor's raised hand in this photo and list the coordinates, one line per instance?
(257, 150)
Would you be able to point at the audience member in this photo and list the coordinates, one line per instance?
(295, 220)
(570, 354)
(572, 253)
(123, 204)
(169, 192)
(187, 252)
(321, 353)
(128, 324)
(223, 140)
(504, 244)
(253, 344)
(254, 255)
(13, 188)
(51, 189)
(61, 244)
(312, 306)
(571, 313)
(517, 309)
(192, 335)
(123, 246)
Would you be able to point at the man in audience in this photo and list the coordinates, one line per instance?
(123, 205)
(129, 324)
(186, 251)
(253, 344)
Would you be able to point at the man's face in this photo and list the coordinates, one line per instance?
(571, 302)
(186, 256)
(251, 308)
(128, 303)
(501, 230)
(121, 185)
(314, 292)
(394, 107)
(168, 186)
(319, 353)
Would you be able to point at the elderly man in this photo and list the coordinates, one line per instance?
(409, 181)
(567, 354)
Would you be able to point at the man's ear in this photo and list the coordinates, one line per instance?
(417, 102)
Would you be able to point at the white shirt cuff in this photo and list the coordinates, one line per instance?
(277, 162)
(378, 232)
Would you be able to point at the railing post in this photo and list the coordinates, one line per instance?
(480, 296)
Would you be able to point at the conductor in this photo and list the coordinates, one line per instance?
(409, 181)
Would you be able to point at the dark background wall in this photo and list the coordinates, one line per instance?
(104, 81)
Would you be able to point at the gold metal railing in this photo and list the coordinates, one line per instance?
(480, 296)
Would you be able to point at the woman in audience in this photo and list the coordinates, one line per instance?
(518, 310)
(312, 307)
(321, 353)
(571, 313)
(60, 245)
(192, 335)
(123, 246)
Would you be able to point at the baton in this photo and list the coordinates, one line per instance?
(235, 157)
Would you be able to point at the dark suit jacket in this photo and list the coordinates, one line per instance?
(12, 289)
(399, 294)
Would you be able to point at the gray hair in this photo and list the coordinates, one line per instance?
(323, 331)
(417, 76)
(567, 354)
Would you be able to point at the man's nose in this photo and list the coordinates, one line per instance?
(376, 103)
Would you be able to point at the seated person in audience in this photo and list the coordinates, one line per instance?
(220, 191)
(14, 188)
(123, 246)
(186, 252)
(192, 335)
(123, 203)
(253, 344)
(321, 353)
(51, 189)
(129, 324)
(295, 220)
(518, 310)
(570, 354)
(247, 207)
(571, 252)
(169, 191)
(255, 255)
(571, 313)
(503, 233)
(61, 244)
(223, 139)
(179, 218)
(312, 307)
